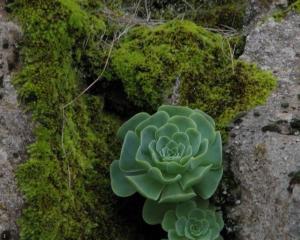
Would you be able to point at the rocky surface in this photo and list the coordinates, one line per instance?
(264, 146)
(257, 10)
(15, 133)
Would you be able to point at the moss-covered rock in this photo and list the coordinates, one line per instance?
(149, 61)
(66, 178)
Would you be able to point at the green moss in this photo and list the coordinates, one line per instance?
(65, 180)
(149, 61)
(295, 6)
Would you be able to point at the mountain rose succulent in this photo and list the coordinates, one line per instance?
(170, 156)
(193, 220)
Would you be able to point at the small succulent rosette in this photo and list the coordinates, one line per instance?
(170, 156)
(191, 220)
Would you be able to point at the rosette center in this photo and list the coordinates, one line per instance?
(198, 228)
(172, 152)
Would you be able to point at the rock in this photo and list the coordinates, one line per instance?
(262, 161)
(257, 10)
(15, 134)
(263, 42)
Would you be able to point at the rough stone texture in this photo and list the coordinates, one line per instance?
(15, 133)
(264, 146)
(259, 9)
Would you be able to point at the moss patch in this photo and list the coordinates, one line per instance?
(150, 60)
(66, 181)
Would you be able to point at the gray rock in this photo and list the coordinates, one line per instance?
(15, 134)
(257, 10)
(262, 160)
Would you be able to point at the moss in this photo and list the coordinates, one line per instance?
(149, 61)
(295, 6)
(65, 182)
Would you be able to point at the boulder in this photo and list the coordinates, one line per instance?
(264, 146)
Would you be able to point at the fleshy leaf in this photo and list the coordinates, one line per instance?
(204, 127)
(215, 231)
(157, 120)
(219, 220)
(155, 156)
(157, 174)
(195, 161)
(172, 235)
(170, 167)
(201, 203)
(153, 212)
(182, 122)
(194, 139)
(147, 136)
(209, 118)
(181, 149)
(180, 226)
(187, 156)
(119, 184)
(169, 221)
(130, 146)
(146, 185)
(161, 143)
(167, 130)
(174, 167)
(202, 230)
(183, 209)
(209, 183)
(181, 137)
(143, 153)
(174, 193)
(172, 144)
(197, 214)
(212, 217)
(176, 110)
(213, 154)
(193, 177)
(144, 158)
(132, 123)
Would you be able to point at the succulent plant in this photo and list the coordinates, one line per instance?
(170, 156)
(193, 220)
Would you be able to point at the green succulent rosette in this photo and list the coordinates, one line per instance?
(193, 220)
(170, 156)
